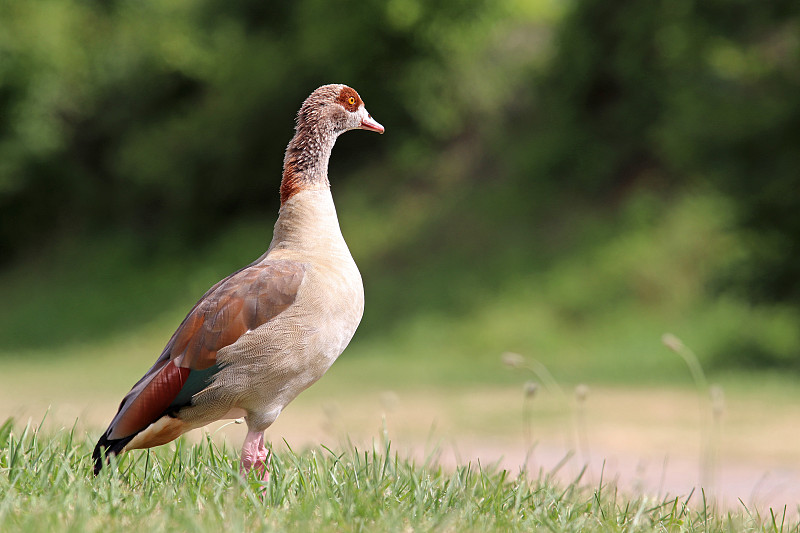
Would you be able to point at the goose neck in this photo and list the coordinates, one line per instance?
(305, 165)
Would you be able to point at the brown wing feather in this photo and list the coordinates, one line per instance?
(245, 301)
(152, 401)
(241, 302)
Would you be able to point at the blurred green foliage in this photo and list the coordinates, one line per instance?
(154, 115)
(513, 129)
(677, 92)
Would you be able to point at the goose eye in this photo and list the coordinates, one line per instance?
(351, 100)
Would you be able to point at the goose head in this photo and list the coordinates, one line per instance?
(335, 109)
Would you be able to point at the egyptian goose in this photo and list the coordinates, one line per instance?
(264, 334)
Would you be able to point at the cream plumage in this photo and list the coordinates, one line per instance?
(262, 335)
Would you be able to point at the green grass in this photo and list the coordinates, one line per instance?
(46, 485)
(451, 284)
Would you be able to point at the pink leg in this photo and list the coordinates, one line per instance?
(255, 455)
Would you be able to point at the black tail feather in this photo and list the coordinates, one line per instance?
(106, 448)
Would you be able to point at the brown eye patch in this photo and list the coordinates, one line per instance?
(349, 99)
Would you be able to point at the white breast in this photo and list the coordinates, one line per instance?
(268, 367)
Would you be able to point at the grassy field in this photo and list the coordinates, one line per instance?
(585, 295)
(46, 484)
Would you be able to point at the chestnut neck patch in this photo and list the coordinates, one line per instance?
(292, 181)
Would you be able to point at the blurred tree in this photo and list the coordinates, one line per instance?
(600, 98)
(156, 114)
(679, 91)
(738, 122)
